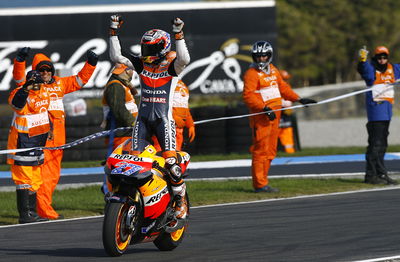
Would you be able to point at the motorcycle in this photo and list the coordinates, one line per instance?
(140, 205)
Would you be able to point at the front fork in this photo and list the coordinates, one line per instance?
(132, 214)
(133, 203)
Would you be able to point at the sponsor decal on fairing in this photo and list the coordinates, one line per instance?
(155, 204)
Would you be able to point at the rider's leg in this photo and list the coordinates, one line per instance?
(166, 136)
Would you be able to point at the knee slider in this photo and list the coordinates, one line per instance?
(175, 171)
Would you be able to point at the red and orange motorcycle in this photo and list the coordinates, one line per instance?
(140, 205)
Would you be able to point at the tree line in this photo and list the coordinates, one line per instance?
(318, 41)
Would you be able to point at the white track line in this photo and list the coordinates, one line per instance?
(231, 204)
(383, 259)
(302, 197)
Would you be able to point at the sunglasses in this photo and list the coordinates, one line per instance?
(381, 57)
(44, 69)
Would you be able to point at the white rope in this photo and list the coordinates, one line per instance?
(104, 133)
(329, 100)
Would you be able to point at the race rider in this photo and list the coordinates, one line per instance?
(377, 73)
(182, 116)
(286, 133)
(29, 128)
(57, 87)
(158, 69)
(263, 90)
(116, 114)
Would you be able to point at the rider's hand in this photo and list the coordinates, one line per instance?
(362, 54)
(116, 22)
(191, 133)
(177, 26)
(23, 54)
(270, 114)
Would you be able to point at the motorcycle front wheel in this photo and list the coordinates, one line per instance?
(116, 234)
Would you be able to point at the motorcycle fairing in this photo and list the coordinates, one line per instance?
(156, 197)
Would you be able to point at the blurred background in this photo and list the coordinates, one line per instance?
(315, 41)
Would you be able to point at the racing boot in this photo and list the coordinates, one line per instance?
(181, 205)
(24, 208)
(178, 187)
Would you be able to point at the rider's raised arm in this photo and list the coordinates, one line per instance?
(115, 53)
(115, 47)
(182, 53)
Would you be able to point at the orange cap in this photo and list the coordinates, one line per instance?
(285, 75)
(381, 50)
(39, 57)
(119, 69)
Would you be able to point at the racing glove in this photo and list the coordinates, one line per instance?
(23, 54)
(177, 26)
(191, 133)
(92, 57)
(270, 114)
(116, 22)
(306, 101)
(362, 54)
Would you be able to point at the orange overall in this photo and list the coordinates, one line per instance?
(181, 114)
(51, 168)
(286, 132)
(29, 128)
(262, 89)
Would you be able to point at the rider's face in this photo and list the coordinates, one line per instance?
(262, 58)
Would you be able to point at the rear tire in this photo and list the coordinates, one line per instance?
(170, 241)
(116, 235)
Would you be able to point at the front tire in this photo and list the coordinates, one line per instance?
(116, 235)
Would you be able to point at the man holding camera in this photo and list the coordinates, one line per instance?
(29, 128)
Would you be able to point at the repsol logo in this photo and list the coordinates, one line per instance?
(155, 75)
(154, 92)
(127, 157)
(157, 197)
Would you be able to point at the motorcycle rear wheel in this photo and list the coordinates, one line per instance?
(170, 241)
(116, 235)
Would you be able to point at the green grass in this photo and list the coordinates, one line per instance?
(88, 201)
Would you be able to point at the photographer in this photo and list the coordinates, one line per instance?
(29, 128)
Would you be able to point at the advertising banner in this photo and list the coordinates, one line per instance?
(219, 36)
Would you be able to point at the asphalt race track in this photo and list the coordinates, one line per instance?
(337, 227)
(345, 227)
